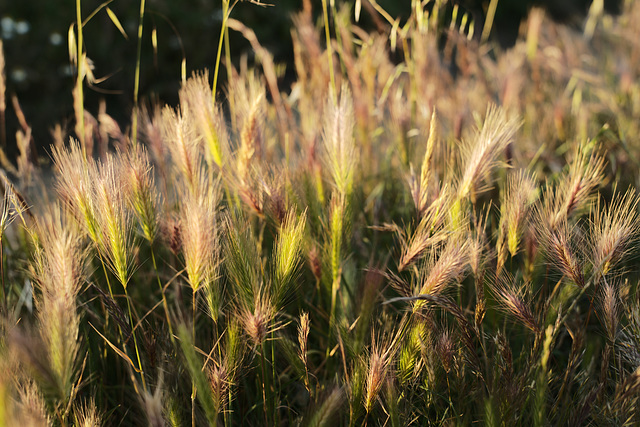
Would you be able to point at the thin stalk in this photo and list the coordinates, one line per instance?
(327, 33)
(164, 299)
(136, 80)
(265, 381)
(135, 341)
(193, 382)
(273, 375)
(225, 13)
(80, 77)
(488, 22)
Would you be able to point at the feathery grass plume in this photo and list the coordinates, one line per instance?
(152, 405)
(512, 299)
(76, 178)
(257, 318)
(199, 231)
(627, 393)
(340, 149)
(426, 171)
(378, 365)
(31, 408)
(11, 207)
(142, 193)
(614, 229)
(219, 383)
(196, 97)
(151, 125)
(114, 219)
(303, 341)
(445, 349)
(251, 140)
(610, 310)
(515, 201)
(480, 156)
(287, 250)
(585, 174)
(194, 365)
(88, 415)
(244, 88)
(449, 267)
(324, 416)
(59, 264)
(241, 259)
(409, 364)
(467, 333)
(559, 243)
(356, 382)
(429, 232)
(234, 347)
(183, 143)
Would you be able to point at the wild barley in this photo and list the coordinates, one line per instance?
(199, 231)
(511, 298)
(114, 219)
(303, 336)
(325, 414)
(59, 273)
(242, 260)
(429, 231)
(340, 149)
(287, 250)
(613, 230)
(575, 190)
(31, 409)
(420, 188)
(480, 156)
(515, 201)
(76, 178)
(196, 96)
(183, 143)
(610, 310)
(142, 193)
(378, 366)
(445, 349)
(444, 269)
(218, 380)
(560, 246)
(88, 415)
(251, 141)
(257, 320)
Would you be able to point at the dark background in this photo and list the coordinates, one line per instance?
(35, 33)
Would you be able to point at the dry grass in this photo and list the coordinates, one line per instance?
(419, 232)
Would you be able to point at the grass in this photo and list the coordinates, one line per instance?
(427, 230)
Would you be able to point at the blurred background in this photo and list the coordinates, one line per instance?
(40, 78)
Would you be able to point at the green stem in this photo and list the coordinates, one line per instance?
(135, 341)
(136, 80)
(193, 334)
(327, 33)
(265, 385)
(225, 13)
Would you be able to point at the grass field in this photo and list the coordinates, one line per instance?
(426, 229)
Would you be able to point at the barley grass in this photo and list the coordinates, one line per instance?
(425, 229)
